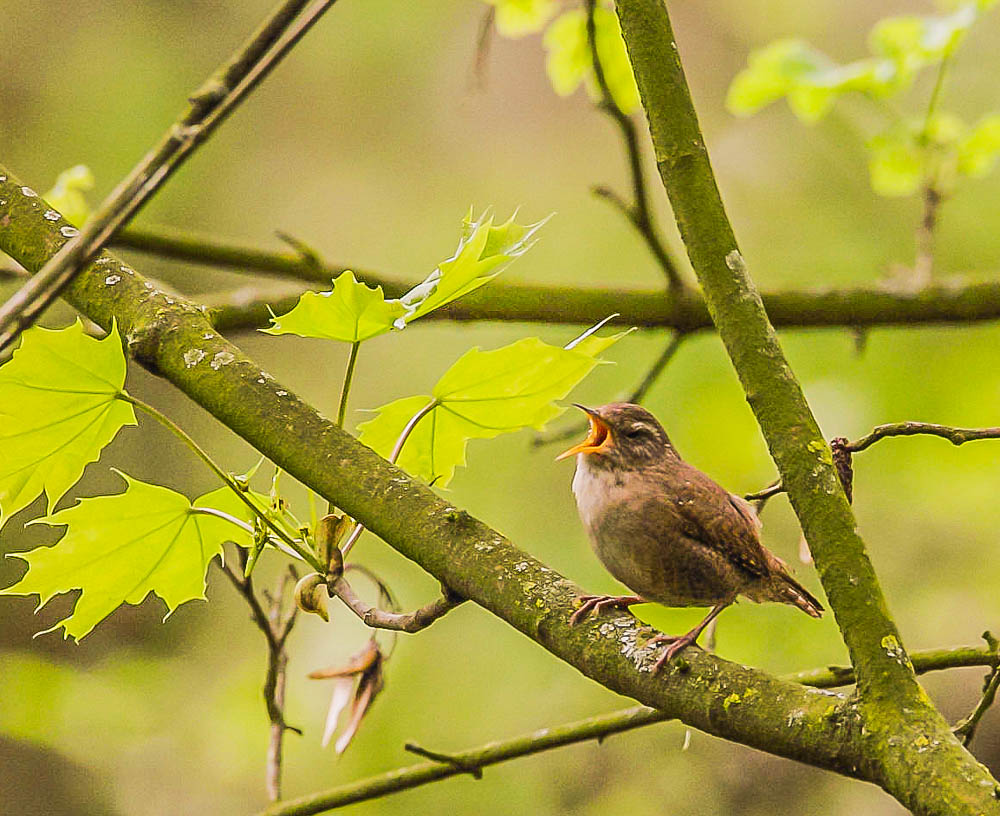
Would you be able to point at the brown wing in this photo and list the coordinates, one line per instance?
(715, 517)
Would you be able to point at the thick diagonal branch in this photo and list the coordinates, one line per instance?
(474, 561)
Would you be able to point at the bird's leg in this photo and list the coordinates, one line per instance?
(598, 603)
(678, 643)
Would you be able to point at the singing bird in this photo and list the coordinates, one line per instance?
(666, 530)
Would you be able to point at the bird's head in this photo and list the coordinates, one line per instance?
(622, 436)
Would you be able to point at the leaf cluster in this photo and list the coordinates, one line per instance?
(63, 400)
(569, 62)
(935, 149)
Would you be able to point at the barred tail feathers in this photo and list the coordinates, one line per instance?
(792, 592)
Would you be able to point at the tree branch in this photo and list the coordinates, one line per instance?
(446, 765)
(210, 106)
(473, 761)
(895, 710)
(476, 562)
(957, 436)
(685, 311)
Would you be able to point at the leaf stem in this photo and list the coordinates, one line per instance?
(226, 478)
(348, 377)
(359, 528)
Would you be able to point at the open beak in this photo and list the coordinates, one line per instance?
(599, 438)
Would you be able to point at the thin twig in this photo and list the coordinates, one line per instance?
(923, 265)
(276, 623)
(957, 436)
(638, 212)
(637, 395)
(409, 622)
(592, 728)
(966, 729)
(476, 771)
(210, 106)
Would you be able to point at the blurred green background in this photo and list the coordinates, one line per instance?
(370, 143)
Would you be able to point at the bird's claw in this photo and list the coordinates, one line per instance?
(678, 643)
(598, 603)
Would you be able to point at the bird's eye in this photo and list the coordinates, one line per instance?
(634, 433)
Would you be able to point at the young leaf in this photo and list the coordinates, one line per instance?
(59, 406)
(351, 312)
(979, 150)
(774, 72)
(484, 394)
(118, 549)
(515, 18)
(483, 252)
(67, 194)
(914, 153)
(913, 42)
(896, 164)
(569, 61)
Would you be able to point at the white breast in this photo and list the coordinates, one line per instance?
(595, 489)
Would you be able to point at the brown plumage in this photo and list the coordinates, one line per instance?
(666, 530)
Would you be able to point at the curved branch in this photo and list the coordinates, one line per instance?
(638, 212)
(957, 436)
(409, 622)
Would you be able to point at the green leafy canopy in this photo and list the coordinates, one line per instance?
(60, 404)
(484, 394)
(353, 312)
(117, 549)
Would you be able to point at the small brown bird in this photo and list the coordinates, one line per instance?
(665, 529)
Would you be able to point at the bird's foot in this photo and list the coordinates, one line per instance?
(598, 603)
(677, 644)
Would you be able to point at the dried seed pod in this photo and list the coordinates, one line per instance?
(310, 595)
(329, 531)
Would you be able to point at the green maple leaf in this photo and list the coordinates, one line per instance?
(351, 312)
(484, 394)
(59, 406)
(120, 548)
(483, 252)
